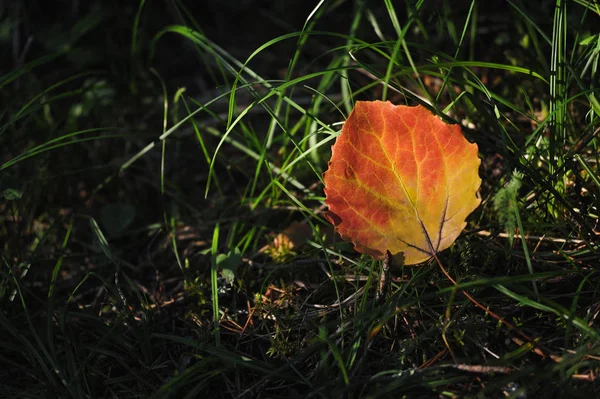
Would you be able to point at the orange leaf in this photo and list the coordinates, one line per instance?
(401, 180)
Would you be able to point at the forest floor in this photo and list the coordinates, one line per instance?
(163, 223)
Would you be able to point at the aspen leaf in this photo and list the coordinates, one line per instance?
(400, 179)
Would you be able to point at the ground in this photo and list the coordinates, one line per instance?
(164, 227)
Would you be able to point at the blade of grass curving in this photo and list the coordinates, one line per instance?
(224, 355)
(446, 17)
(530, 22)
(324, 84)
(593, 56)
(214, 284)
(51, 290)
(56, 143)
(102, 241)
(335, 352)
(244, 69)
(375, 25)
(328, 98)
(525, 247)
(309, 24)
(256, 156)
(169, 227)
(532, 33)
(193, 380)
(473, 32)
(141, 330)
(200, 140)
(173, 227)
(551, 307)
(591, 173)
(205, 61)
(595, 7)
(82, 26)
(283, 172)
(134, 49)
(287, 165)
(483, 282)
(573, 310)
(300, 205)
(166, 134)
(529, 104)
(164, 130)
(406, 383)
(45, 148)
(347, 97)
(354, 352)
(395, 49)
(46, 91)
(457, 51)
(24, 69)
(483, 64)
(401, 33)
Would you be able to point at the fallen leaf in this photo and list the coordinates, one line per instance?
(11, 194)
(288, 241)
(294, 236)
(116, 218)
(229, 263)
(400, 179)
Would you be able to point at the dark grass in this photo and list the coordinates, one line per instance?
(153, 175)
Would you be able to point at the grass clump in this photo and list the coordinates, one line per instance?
(163, 230)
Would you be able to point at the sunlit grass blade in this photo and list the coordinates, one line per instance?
(214, 286)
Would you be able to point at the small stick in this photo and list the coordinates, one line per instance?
(384, 279)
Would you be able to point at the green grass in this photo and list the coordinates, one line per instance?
(163, 227)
